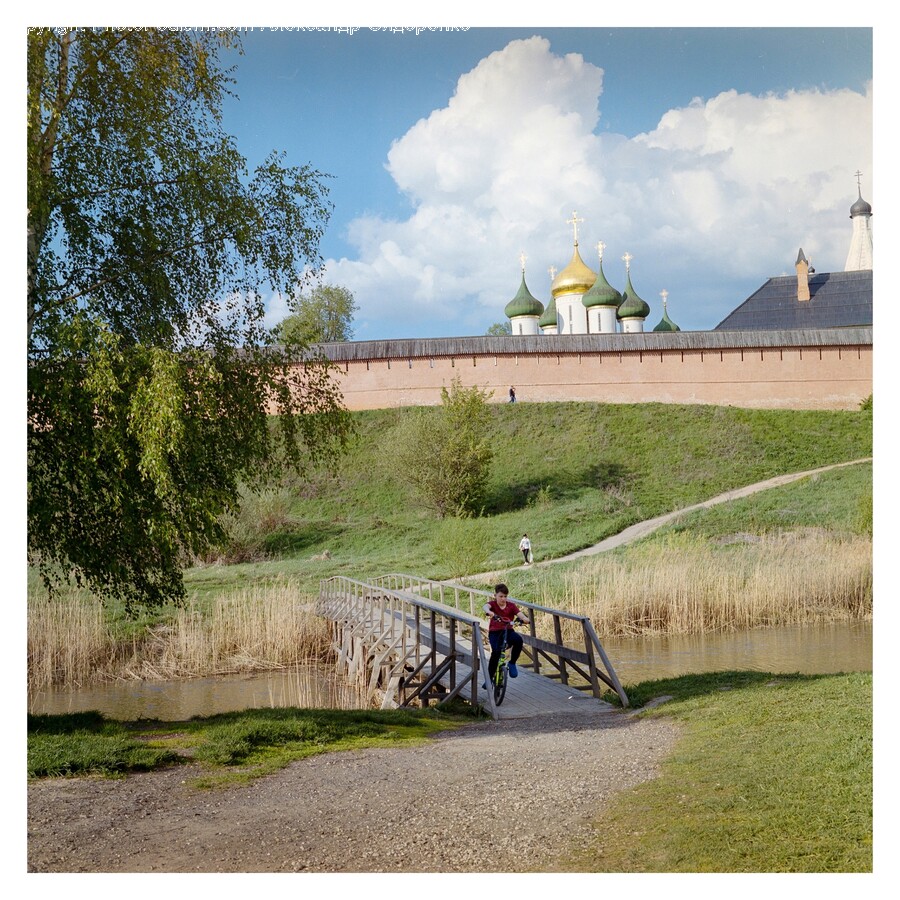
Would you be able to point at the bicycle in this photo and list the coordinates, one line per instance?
(501, 674)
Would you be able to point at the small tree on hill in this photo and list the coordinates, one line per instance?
(447, 456)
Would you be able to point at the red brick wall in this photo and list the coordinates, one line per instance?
(789, 378)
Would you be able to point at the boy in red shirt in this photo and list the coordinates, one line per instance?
(503, 613)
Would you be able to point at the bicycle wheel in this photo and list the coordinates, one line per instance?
(500, 683)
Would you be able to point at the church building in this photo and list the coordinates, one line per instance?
(815, 299)
(584, 302)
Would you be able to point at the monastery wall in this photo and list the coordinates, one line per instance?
(818, 370)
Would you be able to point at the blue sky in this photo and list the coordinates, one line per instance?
(710, 154)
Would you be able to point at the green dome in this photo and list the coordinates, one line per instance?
(523, 304)
(666, 324)
(602, 293)
(549, 316)
(632, 307)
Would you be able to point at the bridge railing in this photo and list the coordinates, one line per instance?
(556, 658)
(558, 644)
(429, 649)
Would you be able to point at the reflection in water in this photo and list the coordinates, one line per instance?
(818, 649)
(808, 649)
(174, 701)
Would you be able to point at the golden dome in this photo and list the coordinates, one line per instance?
(575, 278)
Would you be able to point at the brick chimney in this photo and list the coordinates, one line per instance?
(802, 266)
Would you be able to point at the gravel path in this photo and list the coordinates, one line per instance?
(405, 809)
(642, 529)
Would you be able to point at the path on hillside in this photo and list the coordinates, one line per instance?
(642, 529)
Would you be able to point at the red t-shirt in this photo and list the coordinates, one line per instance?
(508, 613)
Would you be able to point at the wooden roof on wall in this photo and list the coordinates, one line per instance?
(510, 345)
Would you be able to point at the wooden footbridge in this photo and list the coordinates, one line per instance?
(414, 641)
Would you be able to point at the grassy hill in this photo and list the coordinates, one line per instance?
(569, 474)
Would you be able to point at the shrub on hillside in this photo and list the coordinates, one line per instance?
(446, 454)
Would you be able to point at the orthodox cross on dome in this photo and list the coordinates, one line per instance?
(600, 248)
(552, 271)
(522, 258)
(628, 258)
(858, 175)
(574, 223)
(664, 294)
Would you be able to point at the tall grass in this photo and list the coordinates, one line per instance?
(683, 585)
(69, 639)
(266, 627)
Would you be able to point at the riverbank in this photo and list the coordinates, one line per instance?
(453, 805)
(766, 773)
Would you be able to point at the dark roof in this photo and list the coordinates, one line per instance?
(836, 300)
(509, 345)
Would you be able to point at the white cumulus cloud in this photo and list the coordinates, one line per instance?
(719, 196)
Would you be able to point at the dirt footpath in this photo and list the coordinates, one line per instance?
(432, 808)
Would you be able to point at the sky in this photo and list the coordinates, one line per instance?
(711, 155)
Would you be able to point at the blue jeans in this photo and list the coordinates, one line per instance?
(513, 639)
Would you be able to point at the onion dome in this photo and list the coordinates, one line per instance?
(524, 303)
(548, 319)
(860, 208)
(602, 293)
(666, 324)
(575, 278)
(632, 306)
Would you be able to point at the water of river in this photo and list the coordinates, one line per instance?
(819, 649)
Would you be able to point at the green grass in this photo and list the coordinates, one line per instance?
(838, 502)
(232, 747)
(773, 773)
(570, 474)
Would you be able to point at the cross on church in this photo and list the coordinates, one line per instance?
(664, 294)
(858, 176)
(600, 248)
(552, 271)
(574, 223)
(522, 258)
(628, 258)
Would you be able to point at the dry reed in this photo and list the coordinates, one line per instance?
(682, 586)
(70, 643)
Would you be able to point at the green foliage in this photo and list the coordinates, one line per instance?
(149, 366)
(462, 546)
(260, 515)
(447, 456)
(324, 314)
(866, 404)
(500, 329)
(773, 774)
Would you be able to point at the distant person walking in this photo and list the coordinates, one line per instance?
(525, 547)
(512, 395)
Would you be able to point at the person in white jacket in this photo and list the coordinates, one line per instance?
(525, 547)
